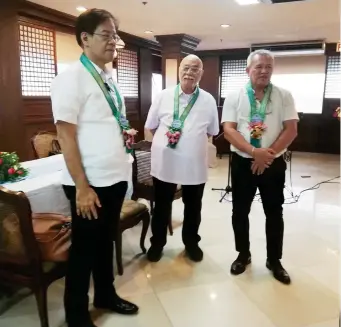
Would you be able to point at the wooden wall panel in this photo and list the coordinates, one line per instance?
(145, 82)
(132, 108)
(210, 79)
(11, 120)
(21, 118)
(37, 113)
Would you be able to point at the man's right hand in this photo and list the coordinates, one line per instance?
(86, 202)
(264, 156)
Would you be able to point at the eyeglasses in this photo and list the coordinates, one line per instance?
(109, 37)
(195, 70)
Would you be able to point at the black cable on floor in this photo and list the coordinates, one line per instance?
(294, 198)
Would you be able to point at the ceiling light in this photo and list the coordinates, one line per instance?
(148, 32)
(247, 2)
(81, 9)
(225, 25)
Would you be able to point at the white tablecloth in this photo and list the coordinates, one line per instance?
(43, 186)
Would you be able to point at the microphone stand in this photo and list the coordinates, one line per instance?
(228, 189)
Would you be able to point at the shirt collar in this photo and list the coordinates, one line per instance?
(104, 73)
(181, 92)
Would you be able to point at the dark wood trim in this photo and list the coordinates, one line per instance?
(156, 64)
(240, 53)
(28, 22)
(181, 44)
(145, 82)
(210, 79)
(44, 24)
(12, 135)
(60, 21)
(44, 15)
(140, 42)
(330, 49)
(325, 76)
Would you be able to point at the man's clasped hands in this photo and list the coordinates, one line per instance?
(263, 158)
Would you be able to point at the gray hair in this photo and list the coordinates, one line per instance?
(260, 52)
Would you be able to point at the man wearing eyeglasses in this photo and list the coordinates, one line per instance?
(260, 122)
(95, 138)
(181, 119)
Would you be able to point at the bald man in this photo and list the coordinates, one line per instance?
(181, 119)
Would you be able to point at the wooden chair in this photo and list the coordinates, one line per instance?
(45, 144)
(20, 257)
(132, 213)
(143, 181)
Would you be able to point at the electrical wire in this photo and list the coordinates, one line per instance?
(293, 198)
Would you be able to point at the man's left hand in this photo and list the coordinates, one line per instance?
(259, 168)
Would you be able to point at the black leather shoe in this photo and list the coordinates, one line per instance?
(240, 264)
(194, 253)
(117, 305)
(154, 254)
(278, 271)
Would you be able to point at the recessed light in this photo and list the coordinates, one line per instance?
(81, 9)
(247, 2)
(225, 25)
(148, 32)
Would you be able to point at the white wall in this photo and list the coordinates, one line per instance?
(68, 51)
(304, 77)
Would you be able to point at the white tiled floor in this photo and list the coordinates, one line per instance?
(178, 293)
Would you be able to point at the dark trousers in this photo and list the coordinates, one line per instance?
(164, 196)
(92, 250)
(271, 189)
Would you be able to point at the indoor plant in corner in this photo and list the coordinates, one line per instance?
(10, 168)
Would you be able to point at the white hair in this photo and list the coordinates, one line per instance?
(260, 52)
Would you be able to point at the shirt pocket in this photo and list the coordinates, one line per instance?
(243, 108)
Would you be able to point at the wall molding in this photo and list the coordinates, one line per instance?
(60, 21)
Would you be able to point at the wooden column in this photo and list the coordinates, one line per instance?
(12, 134)
(145, 82)
(173, 49)
(210, 79)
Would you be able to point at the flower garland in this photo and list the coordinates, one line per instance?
(257, 129)
(129, 137)
(173, 137)
(10, 168)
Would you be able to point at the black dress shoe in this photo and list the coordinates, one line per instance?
(154, 254)
(278, 271)
(240, 264)
(194, 253)
(117, 305)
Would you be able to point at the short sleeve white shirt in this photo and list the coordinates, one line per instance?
(187, 164)
(280, 108)
(77, 99)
